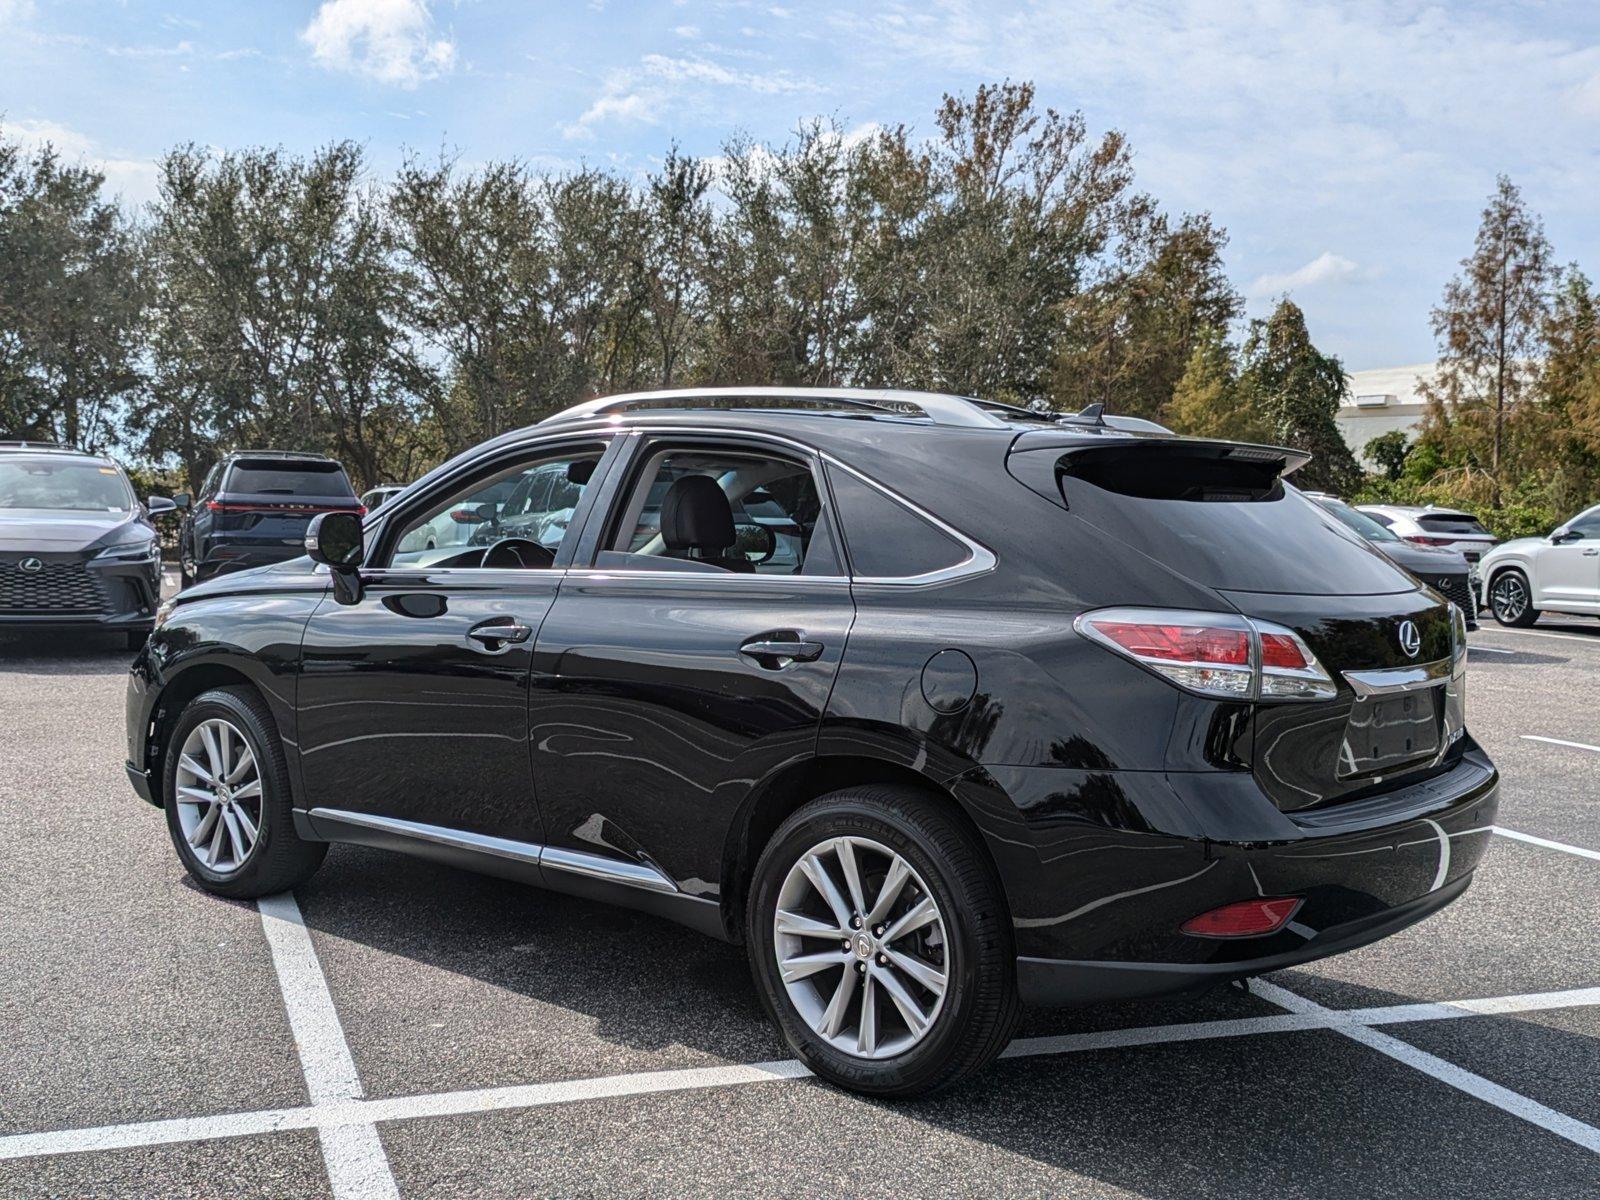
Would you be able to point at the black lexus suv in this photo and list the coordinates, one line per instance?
(939, 706)
(253, 509)
(77, 549)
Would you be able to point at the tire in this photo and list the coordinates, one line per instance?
(186, 566)
(278, 859)
(1511, 599)
(969, 941)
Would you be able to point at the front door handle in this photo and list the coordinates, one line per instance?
(495, 636)
(777, 653)
(1590, 553)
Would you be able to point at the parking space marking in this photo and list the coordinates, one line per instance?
(1503, 1098)
(357, 1166)
(1565, 637)
(1471, 649)
(354, 1113)
(1534, 737)
(1546, 843)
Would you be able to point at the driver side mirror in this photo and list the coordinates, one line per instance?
(335, 540)
(1562, 536)
(181, 501)
(156, 505)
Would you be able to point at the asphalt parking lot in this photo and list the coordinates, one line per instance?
(398, 1028)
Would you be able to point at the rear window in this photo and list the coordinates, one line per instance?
(275, 477)
(1225, 524)
(1450, 523)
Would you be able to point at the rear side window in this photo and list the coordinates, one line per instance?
(275, 477)
(1450, 523)
(884, 538)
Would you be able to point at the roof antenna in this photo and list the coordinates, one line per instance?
(1092, 414)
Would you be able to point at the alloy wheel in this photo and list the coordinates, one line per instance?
(1509, 598)
(219, 797)
(861, 947)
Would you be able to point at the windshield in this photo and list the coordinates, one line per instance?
(1360, 522)
(64, 484)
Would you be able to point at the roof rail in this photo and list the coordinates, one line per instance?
(24, 444)
(938, 408)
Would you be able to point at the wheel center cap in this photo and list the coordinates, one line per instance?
(224, 793)
(863, 946)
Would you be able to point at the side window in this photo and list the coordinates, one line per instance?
(1587, 524)
(503, 513)
(209, 487)
(884, 538)
(1386, 522)
(714, 509)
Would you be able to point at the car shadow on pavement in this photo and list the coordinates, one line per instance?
(62, 652)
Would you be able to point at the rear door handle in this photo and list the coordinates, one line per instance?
(495, 636)
(777, 653)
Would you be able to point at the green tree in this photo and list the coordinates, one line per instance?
(1389, 451)
(1489, 326)
(1297, 389)
(1208, 400)
(71, 314)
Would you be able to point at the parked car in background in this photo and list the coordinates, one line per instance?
(1441, 528)
(77, 548)
(1445, 571)
(1558, 573)
(374, 498)
(253, 509)
(938, 711)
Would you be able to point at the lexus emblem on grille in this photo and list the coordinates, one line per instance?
(1410, 640)
(31, 566)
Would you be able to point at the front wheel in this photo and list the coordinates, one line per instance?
(227, 798)
(880, 942)
(1511, 600)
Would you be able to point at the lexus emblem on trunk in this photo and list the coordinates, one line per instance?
(1410, 640)
(31, 566)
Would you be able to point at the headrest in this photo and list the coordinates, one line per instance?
(696, 515)
(581, 470)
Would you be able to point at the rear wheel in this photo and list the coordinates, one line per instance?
(227, 799)
(1511, 600)
(880, 942)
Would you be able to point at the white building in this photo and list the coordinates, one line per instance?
(1382, 400)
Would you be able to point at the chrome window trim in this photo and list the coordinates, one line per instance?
(1393, 681)
(576, 862)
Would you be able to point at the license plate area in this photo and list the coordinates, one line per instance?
(1390, 730)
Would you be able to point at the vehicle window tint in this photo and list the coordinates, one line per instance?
(725, 510)
(265, 477)
(883, 538)
(62, 484)
(1386, 522)
(519, 503)
(1587, 523)
(1451, 523)
(1360, 522)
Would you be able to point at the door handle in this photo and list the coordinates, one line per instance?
(1591, 553)
(777, 653)
(496, 636)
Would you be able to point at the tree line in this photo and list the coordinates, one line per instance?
(298, 301)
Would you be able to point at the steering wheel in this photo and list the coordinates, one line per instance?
(517, 552)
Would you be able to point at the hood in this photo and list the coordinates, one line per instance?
(293, 573)
(1523, 544)
(57, 531)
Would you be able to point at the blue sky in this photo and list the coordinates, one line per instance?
(1347, 148)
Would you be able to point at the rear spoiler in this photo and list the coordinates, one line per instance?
(1150, 466)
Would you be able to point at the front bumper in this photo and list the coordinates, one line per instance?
(128, 592)
(1105, 869)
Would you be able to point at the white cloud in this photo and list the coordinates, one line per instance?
(390, 41)
(15, 10)
(660, 81)
(133, 179)
(1326, 267)
(179, 50)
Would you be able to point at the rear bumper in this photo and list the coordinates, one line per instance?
(1103, 868)
(1062, 982)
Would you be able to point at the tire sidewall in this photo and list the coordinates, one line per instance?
(927, 1059)
(229, 707)
(1527, 590)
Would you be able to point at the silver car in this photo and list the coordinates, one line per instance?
(1559, 573)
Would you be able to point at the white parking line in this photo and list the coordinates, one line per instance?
(1546, 843)
(1534, 737)
(357, 1166)
(1448, 1073)
(356, 1113)
(1566, 637)
(1471, 649)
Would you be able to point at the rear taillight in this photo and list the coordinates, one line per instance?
(1419, 540)
(1246, 918)
(1213, 654)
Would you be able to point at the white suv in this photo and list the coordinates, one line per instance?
(1559, 573)
(1448, 528)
